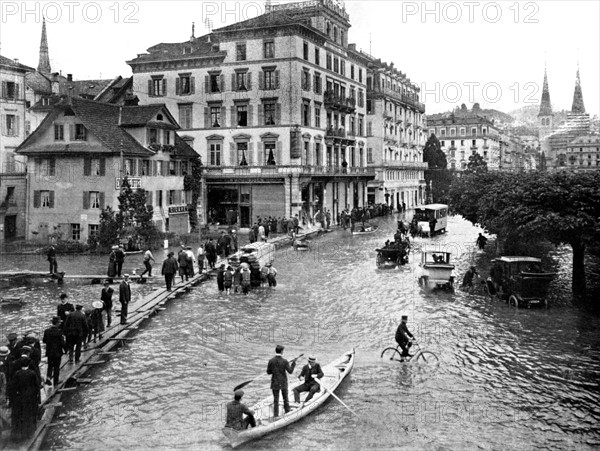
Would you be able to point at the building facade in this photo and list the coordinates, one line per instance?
(276, 107)
(463, 133)
(12, 133)
(583, 153)
(395, 136)
(82, 151)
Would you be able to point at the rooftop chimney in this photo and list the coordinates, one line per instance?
(16, 60)
(69, 77)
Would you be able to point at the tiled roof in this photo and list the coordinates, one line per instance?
(42, 84)
(191, 49)
(275, 18)
(139, 115)
(14, 65)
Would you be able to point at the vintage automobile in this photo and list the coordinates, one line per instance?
(436, 270)
(435, 215)
(520, 281)
(391, 257)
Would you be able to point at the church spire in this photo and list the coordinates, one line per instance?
(578, 106)
(44, 63)
(545, 106)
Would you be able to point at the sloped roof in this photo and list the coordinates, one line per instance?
(276, 18)
(102, 121)
(197, 47)
(7, 62)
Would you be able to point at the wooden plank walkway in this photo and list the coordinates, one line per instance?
(96, 354)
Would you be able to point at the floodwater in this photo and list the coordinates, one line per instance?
(507, 379)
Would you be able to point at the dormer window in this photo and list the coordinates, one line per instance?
(45, 101)
(159, 117)
(80, 132)
(152, 136)
(187, 50)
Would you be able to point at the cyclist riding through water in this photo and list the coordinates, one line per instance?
(402, 337)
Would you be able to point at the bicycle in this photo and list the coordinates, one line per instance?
(420, 356)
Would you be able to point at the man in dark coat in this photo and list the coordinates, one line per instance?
(23, 392)
(75, 330)
(124, 297)
(235, 413)
(169, 269)
(402, 334)
(64, 308)
(277, 368)
(55, 346)
(106, 298)
(119, 259)
(221, 278)
(309, 371)
(51, 254)
(211, 253)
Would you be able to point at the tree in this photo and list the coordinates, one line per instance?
(193, 182)
(108, 230)
(476, 164)
(437, 176)
(559, 207)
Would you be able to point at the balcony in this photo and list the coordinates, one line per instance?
(339, 134)
(405, 164)
(340, 103)
(338, 171)
(407, 100)
(279, 172)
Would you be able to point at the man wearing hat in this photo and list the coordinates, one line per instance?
(309, 371)
(55, 346)
(106, 298)
(402, 334)
(96, 320)
(23, 392)
(124, 297)
(468, 278)
(75, 330)
(169, 269)
(12, 341)
(64, 308)
(235, 413)
(278, 367)
(119, 259)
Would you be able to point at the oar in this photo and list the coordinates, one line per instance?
(243, 384)
(333, 394)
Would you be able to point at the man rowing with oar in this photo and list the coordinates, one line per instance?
(277, 368)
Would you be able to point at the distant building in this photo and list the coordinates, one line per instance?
(12, 171)
(79, 155)
(464, 132)
(395, 136)
(276, 107)
(583, 153)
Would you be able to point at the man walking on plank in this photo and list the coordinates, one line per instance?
(169, 269)
(55, 346)
(124, 297)
(277, 368)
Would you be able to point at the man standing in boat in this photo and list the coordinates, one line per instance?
(235, 413)
(309, 371)
(402, 334)
(277, 368)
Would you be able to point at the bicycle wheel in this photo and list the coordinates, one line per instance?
(427, 357)
(391, 354)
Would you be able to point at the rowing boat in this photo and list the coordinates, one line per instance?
(11, 301)
(365, 230)
(334, 373)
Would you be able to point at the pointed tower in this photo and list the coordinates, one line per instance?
(578, 106)
(545, 116)
(44, 63)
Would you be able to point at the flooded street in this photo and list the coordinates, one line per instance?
(507, 378)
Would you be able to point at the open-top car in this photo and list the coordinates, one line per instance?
(520, 281)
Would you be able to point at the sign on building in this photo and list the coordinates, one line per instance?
(134, 182)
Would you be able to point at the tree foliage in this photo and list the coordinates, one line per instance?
(437, 177)
(193, 182)
(560, 207)
(476, 164)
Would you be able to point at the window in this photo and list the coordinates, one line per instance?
(215, 116)
(10, 125)
(452, 142)
(336, 65)
(342, 37)
(240, 52)
(443, 132)
(361, 98)
(167, 137)
(369, 155)
(185, 116)
(474, 131)
(96, 167)
(328, 29)
(215, 154)
(352, 71)
(129, 163)
(160, 168)
(184, 85)
(80, 132)
(242, 115)
(146, 168)
(335, 33)
(462, 131)
(46, 198)
(94, 199)
(305, 51)
(317, 56)
(59, 132)
(442, 143)
(318, 115)
(10, 90)
(317, 83)
(306, 80)
(152, 136)
(172, 168)
(76, 232)
(306, 114)
(369, 129)
(10, 195)
(240, 81)
(474, 143)
(483, 131)
(269, 49)
(270, 154)
(93, 231)
(462, 142)
(360, 75)
(157, 87)
(242, 151)
(269, 111)
(269, 79)
(328, 61)
(215, 82)
(47, 167)
(452, 132)
(343, 67)
(361, 125)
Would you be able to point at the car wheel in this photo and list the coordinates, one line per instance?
(513, 301)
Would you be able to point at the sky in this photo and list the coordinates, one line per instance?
(459, 52)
